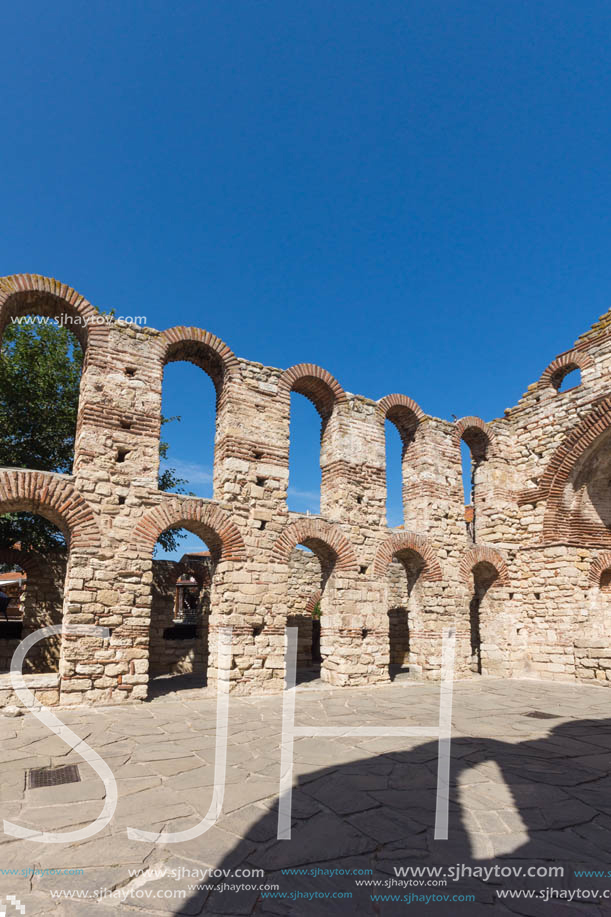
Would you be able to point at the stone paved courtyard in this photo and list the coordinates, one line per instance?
(526, 790)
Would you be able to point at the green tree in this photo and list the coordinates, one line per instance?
(40, 373)
(169, 481)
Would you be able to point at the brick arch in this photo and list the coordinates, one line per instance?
(403, 412)
(200, 571)
(406, 541)
(25, 294)
(206, 521)
(313, 601)
(318, 536)
(563, 365)
(203, 349)
(477, 435)
(598, 567)
(31, 562)
(556, 521)
(52, 496)
(483, 554)
(319, 386)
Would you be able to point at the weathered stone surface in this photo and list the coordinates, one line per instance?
(524, 576)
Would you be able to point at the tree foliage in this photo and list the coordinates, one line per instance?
(169, 481)
(40, 373)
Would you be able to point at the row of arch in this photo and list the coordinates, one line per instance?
(55, 498)
(25, 293)
(22, 294)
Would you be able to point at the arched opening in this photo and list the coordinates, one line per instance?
(598, 627)
(319, 564)
(404, 611)
(307, 487)
(467, 474)
(33, 572)
(13, 581)
(183, 574)
(304, 600)
(565, 372)
(180, 610)
(484, 576)
(188, 430)
(328, 554)
(575, 483)
(190, 421)
(395, 449)
(587, 495)
(474, 446)
(600, 606)
(402, 417)
(209, 529)
(566, 378)
(41, 364)
(304, 484)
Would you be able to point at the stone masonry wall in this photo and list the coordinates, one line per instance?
(38, 604)
(171, 652)
(303, 593)
(526, 587)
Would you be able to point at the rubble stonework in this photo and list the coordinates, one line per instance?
(526, 584)
(173, 650)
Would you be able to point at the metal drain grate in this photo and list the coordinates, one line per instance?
(52, 776)
(541, 715)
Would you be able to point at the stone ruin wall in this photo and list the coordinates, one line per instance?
(534, 579)
(304, 591)
(171, 653)
(39, 604)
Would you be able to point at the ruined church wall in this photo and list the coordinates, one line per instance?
(112, 513)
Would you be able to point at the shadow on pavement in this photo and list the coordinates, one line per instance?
(539, 803)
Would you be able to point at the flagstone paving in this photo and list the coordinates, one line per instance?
(525, 791)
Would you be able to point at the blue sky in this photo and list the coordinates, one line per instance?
(414, 195)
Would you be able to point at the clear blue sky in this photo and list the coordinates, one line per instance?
(414, 195)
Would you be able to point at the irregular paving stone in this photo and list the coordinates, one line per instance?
(214, 848)
(321, 837)
(385, 827)
(157, 802)
(235, 902)
(104, 849)
(204, 776)
(500, 792)
(55, 817)
(160, 752)
(253, 823)
(342, 796)
(240, 794)
(67, 793)
(168, 768)
(324, 751)
(91, 880)
(127, 786)
(324, 882)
